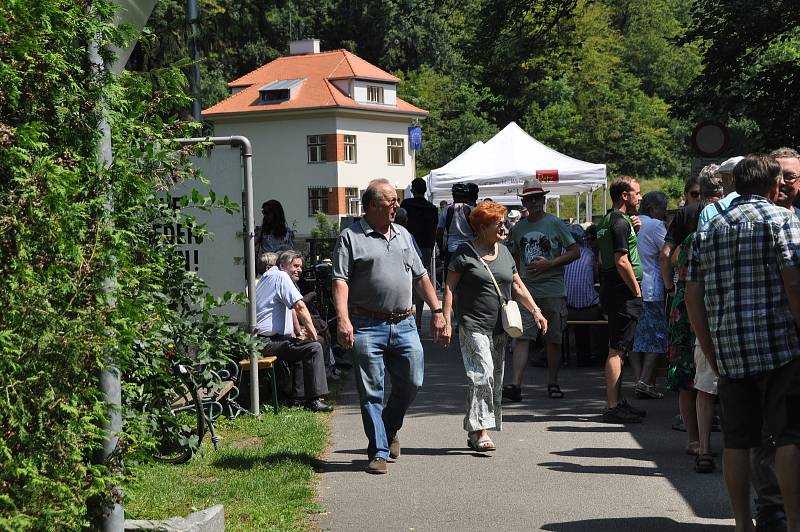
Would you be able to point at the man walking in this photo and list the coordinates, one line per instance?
(539, 241)
(276, 298)
(744, 285)
(620, 290)
(422, 220)
(454, 220)
(374, 268)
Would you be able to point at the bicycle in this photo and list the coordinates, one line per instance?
(177, 424)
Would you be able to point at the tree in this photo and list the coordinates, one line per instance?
(594, 108)
(751, 67)
(455, 121)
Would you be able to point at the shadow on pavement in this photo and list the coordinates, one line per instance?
(580, 411)
(640, 524)
(424, 451)
(444, 393)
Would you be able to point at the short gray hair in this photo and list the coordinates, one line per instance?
(653, 201)
(266, 261)
(785, 153)
(710, 180)
(288, 256)
(372, 193)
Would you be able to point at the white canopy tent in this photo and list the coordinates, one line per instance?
(500, 166)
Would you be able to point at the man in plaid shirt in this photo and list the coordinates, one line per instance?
(744, 285)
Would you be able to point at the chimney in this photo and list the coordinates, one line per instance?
(304, 47)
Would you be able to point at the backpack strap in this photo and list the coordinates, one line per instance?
(449, 218)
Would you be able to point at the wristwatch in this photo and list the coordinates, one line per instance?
(439, 310)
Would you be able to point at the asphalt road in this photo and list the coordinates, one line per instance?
(557, 467)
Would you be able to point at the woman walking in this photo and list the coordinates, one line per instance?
(474, 269)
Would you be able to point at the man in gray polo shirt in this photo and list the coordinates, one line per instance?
(374, 268)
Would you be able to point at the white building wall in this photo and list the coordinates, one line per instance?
(280, 163)
(371, 156)
(280, 159)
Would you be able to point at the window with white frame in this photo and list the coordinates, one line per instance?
(316, 149)
(375, 93)
(317, 200)
(352, 200)
(349, 148)
(395, 150)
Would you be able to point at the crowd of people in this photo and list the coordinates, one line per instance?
(715, 295)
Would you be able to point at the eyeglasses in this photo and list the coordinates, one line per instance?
(790, 178)
(694, 193)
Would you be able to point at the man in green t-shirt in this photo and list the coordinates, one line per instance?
(539, 244)
(620, 290)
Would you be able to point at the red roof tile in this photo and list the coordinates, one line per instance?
(317, 91)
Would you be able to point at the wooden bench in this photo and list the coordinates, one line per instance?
(267, 362)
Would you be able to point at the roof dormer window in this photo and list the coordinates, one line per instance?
(279, 91)
(374, 93)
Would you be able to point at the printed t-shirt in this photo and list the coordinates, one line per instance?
(546, 238)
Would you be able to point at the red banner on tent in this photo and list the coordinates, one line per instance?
(547, 176)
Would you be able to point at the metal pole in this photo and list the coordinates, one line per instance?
(194, 69)
(243, 143)
(577, 207)
(112, 518)
(605, 201)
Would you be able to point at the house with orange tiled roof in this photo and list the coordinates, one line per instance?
(322, 125)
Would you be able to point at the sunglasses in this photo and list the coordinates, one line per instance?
(695, 193)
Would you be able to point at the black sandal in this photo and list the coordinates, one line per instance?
(554, 391)
(704, 463)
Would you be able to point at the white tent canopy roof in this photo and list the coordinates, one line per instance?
(500, 166)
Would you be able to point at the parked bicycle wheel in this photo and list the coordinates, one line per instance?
(181, 427)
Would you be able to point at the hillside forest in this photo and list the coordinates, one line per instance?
(621, 82)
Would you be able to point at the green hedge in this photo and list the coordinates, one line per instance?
(59, 246)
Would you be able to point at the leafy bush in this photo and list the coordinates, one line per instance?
(324, 234)
(84, 273)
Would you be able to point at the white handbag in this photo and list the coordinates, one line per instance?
(509, 310)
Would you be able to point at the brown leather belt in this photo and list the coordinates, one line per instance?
(389, 317)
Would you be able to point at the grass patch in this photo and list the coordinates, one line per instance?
(263, 473)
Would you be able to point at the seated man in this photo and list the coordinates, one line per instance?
(583, 301)
(276, 297)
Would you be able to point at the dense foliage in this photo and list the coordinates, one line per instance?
(85, 274)
(591, 78)
(751, 76)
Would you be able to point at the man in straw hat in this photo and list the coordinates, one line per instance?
(539, 244)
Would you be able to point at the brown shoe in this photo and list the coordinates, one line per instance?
(376, 466)
(394, 448)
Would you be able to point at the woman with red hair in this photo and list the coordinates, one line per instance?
(477, 308)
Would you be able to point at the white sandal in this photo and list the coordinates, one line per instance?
(481, 445)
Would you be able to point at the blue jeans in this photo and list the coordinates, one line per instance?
(396, 347)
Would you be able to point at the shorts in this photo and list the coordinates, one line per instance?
(554, 310)
(623, 311)
(705, 379)
(764, 408)
(651, 329)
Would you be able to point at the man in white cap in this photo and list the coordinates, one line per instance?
(539, 244)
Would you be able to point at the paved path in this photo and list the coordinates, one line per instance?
(557, 466)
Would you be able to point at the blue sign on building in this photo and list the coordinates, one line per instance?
(415, 138)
